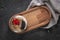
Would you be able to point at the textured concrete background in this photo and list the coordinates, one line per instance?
(11, 7)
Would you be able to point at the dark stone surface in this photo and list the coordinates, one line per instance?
(11, 7)
(7, 9)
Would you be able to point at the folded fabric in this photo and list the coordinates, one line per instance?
(55, 5)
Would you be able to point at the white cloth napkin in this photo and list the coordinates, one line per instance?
(55, 4)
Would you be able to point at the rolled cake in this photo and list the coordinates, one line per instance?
(31, 19)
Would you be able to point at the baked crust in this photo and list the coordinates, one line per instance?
(36, 17)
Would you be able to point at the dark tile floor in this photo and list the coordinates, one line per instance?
(11, 7)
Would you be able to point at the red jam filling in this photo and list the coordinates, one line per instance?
(16, 22)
